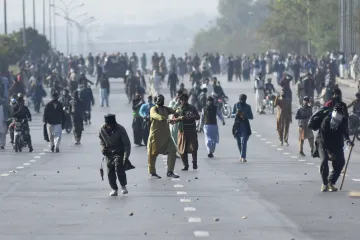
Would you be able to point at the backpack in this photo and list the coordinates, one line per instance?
(317, 118)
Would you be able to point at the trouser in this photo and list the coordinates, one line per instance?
(11, 130)
(2, 139)
(145, 131)
(337, 165)
(54, 133)
(172, 91)
(301, 144)
(283, 130)
(115, 167)
(230, 76)
(137, 130)
(104, 96)
(87, 116)
(171, 158)
(210, 146)
(77, 135)
(185, 159)
(259, 98)
(242, 144)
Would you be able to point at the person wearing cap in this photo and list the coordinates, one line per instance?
(241, 128)
(187, 115)
(116, 148)
(145, 114)
(284, 116)
(303, 115)
(159, 141)
(330, 146)
(211, 130)
(54, 118)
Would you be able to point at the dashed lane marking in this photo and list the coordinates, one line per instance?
(254, 132)
(302, 160)
(268, 142)
(4, 175)
(279, 149)
(181, 193)
(310, 163)
(178, 186)
(286, 153)
(42, 153)
(37, 157)
(13, 171)
(194, 220)
(20, 167)
(26, 164)
(294, 157)
(318, 166)
(33, 160)
(273, 145)
(189, 209)
(201, 234)
(46, 150)
(185, 200)
(263, 139)
(258, 135)
(356, 179)
(175, 179)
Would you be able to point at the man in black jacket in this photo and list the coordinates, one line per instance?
(330, 144)
(54, 118)
(22, 114)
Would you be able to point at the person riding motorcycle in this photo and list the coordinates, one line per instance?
(269, 87)
(22, 114)
(356, 104)
(13, 104)
(65, 98)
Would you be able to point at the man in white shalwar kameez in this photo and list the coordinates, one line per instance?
(259, 85)
(155, 83)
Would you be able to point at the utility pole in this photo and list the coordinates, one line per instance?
(24, 24)
(308, 27)
(34, 12)
(50, 33)
(44, 21)
(5, 17)
(55, 37)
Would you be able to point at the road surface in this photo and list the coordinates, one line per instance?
(275, 195)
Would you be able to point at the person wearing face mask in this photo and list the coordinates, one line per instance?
(187, 115)
(330, 146)
(137, 102)
(303, 115)
(241, 128)
(160, 141)
(116, 148)
(211, 130)
(144, 112)
(284, 118)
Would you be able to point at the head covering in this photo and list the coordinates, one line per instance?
(110, 118)
(336, 116)
(160, 100)
(55, 95)
(242, 98)
(210, 99)
(306, 98)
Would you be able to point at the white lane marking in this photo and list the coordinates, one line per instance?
(185, 200)
(273, 145)
(302, 160)
(13, 171)
(175, 179)
(254, 132)
(279, 149)
(286, 153)
(178, 186)
(356, 179)
(310, 163)
(268, 142)
(20, 167)
(258, 135)
(294, 157)
(26, 164)
(189, 209)
(194, 220)
(33, 160)
(4, 175)
(37, 157)
(318, 166)
(181, 193)
(42, 153)
(263, 139)
(201, 234)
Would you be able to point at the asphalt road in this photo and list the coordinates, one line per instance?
(275, 195)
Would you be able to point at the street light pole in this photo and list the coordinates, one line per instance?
(5, 18)
(34, 13)
(308, 27)
(55, 37)
(50, 33)
(44, 22)
(24, 24)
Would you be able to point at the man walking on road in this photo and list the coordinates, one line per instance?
(116, 148)
(283, 104)
(54, 117)
(303, 115)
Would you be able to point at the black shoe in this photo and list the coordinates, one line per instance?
(31, 149)
(2, 147)
(172, 175)
(186, 168)
(57, 150)
(302, 154)
(210, 155)
(52, 148)
(195, 166)
(155, 176)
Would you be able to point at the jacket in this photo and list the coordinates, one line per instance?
(54, 113)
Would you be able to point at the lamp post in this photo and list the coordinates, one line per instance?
(24, 24)
(50, 33)
(5, 17)
(44, 22)
(34, 14)
(54, 21)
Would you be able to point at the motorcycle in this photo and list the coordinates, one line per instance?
(269, 103)
(224, 107)
(68, 123)
(354, 125)
(20, 134)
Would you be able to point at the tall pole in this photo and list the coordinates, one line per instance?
(5, 17)
(24, 24)
(50, 33)
(55, 37)
(44, 21)
(67, 37)
(34, 13)
(308, 27)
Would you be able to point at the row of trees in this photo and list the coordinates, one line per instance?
(12, 48)
(246, 26)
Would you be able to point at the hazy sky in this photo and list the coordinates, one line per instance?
(115, 11)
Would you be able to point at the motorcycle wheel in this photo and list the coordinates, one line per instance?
(226, 111)
(17, 144)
